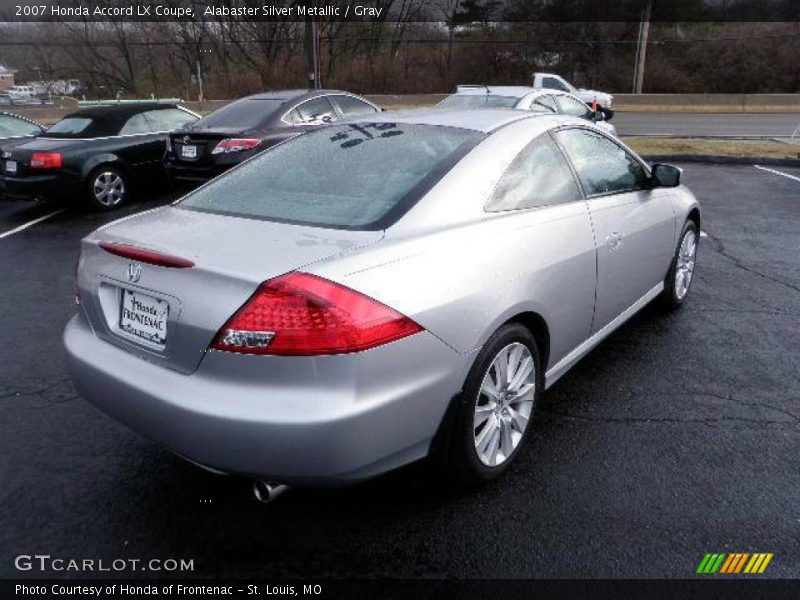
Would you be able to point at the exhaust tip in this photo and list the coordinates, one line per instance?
(267, 492)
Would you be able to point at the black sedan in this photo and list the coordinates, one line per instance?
(96, 154)
(247, 126)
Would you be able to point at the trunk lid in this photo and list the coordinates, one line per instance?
(201, 142)
(126, 299)
(21, 154)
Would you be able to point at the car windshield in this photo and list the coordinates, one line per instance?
(70, 127)
(243, 114)
(478, 101)
(359, 176)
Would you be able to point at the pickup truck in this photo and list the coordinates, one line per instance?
(556, 82)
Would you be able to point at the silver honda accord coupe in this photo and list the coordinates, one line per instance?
(366, 295)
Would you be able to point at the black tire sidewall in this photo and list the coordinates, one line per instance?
(89, 187)
(463, 463)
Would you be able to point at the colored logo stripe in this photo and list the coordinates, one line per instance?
(734, 563)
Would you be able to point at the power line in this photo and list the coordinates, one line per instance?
(298, 40)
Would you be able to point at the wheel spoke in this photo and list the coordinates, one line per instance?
(501, 369)
(524, 391)
(518, 420)
(482, 413)
(525, 368)
(489, 388)
(514, 357)
(485, 436)
(507, 442)
(494, 446)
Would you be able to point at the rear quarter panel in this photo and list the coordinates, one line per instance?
(461, 272)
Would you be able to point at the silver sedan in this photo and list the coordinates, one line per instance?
(377, 292)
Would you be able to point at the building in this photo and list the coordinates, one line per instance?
(6, 78)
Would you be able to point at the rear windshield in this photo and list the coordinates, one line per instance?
(243, 114)
(359, 176)
(71, 127)
(478, 101)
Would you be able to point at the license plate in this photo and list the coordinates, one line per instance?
(11, 166)
(189, 152)
(144, 316)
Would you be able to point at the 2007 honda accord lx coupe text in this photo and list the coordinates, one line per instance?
(372, 293)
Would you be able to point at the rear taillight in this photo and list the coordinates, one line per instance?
(235, 145)
(46, 160)
(300, 315)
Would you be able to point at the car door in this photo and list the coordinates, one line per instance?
(633, 223)
(554, 250)
(139, 146)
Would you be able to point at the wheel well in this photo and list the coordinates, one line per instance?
(694, 216)
(119, 166)
(538, 327)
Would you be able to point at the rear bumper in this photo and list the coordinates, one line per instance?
(56, 187)
(323, 420)
(193, 173)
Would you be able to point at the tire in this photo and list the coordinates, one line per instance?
(480, 451)
(107, 188)
(681, 272)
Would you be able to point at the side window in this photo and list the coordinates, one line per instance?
(168, 119)
(353, 107)
(545, 103)
(12, 126)
(553, 84)
(136, 124)
(576, 108)
(313, 112)
(539, 176)
(603, 166)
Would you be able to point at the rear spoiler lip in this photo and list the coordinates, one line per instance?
(143, 255)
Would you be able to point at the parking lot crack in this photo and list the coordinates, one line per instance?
(719, 248)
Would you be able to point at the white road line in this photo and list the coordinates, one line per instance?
(782, 174)
(703, 234)
(24, 226)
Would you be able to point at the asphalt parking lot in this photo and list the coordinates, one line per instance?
(676, 437)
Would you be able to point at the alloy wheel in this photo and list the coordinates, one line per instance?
(108, 188)
(684, 268)
(504, 404)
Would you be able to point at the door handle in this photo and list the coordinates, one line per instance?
(614, 241)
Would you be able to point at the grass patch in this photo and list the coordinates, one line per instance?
(734, 148)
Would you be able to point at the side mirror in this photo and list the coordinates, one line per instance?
(598, 115)
(665, 176)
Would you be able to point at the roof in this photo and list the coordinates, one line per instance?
(514, 91)
(118, 111)
(290, 94)
(485, 120)
(108, 119)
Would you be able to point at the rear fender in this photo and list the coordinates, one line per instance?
(107, 158)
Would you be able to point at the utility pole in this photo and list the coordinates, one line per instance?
(312, 52)
(641, 48)
(200, 95)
